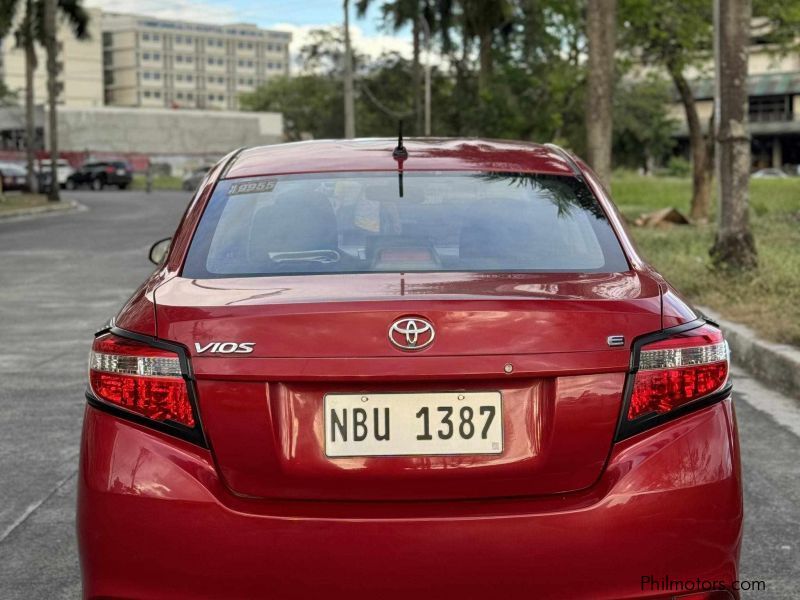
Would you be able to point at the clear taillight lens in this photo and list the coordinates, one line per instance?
(678, 370)
(140, 378)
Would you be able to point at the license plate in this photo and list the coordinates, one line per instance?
(120, 171)
(435, 424)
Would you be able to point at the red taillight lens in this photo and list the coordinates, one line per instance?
(110, 169)
(678, 370)
(140, 378)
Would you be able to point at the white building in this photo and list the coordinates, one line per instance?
(160, 63)
(81, 74)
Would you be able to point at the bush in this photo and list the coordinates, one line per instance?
(678, 167)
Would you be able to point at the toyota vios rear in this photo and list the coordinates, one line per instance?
(434, 371)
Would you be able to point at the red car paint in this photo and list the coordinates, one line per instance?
(564, 511)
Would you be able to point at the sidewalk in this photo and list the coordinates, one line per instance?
(50, 208)
(776, 365)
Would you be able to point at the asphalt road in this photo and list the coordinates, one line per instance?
(62, 276)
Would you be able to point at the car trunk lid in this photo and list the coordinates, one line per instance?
(539, 340)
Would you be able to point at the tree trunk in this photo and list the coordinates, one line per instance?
(30, 117)
(349, 102)
(601, 35)
(416, 78)
(485, 56)
(734, 246)
(701, 174)
(52, 93)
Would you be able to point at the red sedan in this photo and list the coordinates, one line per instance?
(365, 369)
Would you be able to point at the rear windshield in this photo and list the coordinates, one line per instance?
(373, 222)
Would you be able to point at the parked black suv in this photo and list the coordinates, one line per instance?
(97, 175)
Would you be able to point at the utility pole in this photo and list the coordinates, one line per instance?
(427, 30)
(51, 47)
(349, 107)
(734, 246)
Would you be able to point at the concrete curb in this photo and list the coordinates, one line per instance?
(65, 206)
(776, 365)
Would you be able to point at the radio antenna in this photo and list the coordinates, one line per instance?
(400, 154)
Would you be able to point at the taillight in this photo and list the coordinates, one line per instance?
(675, 372)
(110, 169)
(140, 378)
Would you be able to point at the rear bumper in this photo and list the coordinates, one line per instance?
(155, 521)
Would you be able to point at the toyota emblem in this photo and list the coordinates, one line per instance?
(411, 333)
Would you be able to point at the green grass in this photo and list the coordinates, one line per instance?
(765, 299)
(11, 202)
(160, 182)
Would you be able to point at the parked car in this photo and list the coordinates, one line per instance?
(193, 179)
(769, 174)
(364, 369)
(15, 177)
(98, 175)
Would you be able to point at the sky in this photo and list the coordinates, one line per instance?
(297, 16)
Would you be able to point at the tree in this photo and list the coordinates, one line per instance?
(78, 19)
(734, 246)
(675, 35)
(482, 19)
(642, 128)
(397, 14)
(601, 36)
(310, 104)
(30, 30)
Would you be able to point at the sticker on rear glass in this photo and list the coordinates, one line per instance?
(252, 187)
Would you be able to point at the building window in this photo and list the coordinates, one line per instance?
(178, 39)
(190, 96)
(189, 59)
(210, 60)
(146, 93)
(770, 108)
(156, 94)
(146, 37)
(146, 75)
(146, 56)
(211, 97)
(220, 80)
(179, 95)
(156, 37)
(220, 61)
(156, 56)
(270, 66)
(221, 98)
(188, 39)
(270, 48)
(189, 78)
(179, 77)
(278, 65)
(179, 58)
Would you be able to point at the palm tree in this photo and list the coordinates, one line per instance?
(398, 14)
(482, 19)
(78, 19)
(30, 29)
